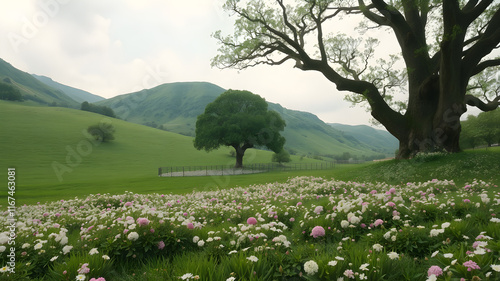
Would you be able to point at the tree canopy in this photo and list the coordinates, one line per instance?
(446, 52)
(241, 120)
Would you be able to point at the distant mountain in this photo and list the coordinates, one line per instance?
(175, 107)
(32, 89)
(379, 139)
(74, 93)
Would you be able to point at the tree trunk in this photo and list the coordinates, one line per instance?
(433, 120)
(240, 152)
(239, 159)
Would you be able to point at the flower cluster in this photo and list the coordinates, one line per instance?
(293, 222)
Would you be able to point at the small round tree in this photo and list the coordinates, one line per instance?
(239, 119)
(102, 132)
(281, 157)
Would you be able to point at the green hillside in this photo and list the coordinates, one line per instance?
(51, 151)
(33, 91)
(381, 140)
(74, 93)
(175, 107)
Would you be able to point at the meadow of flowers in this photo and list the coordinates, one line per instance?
(305, 229)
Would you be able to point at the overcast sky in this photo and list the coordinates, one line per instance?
(115, 47)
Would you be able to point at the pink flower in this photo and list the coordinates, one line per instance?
(349, 274)
(251, 220)
(436, 270)
(84, 269)
(466, 201)
(98, 279)
(378, 222)
(391, 204)
(299, 203)
(161, 245)
(190, 225)
(392, 190)
(142, 221)
(471, 265)
(128, 204)
(317, 231)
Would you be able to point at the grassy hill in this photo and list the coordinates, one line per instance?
(381, 140)
(44, 142)
(74, 93)
(175, 107)
(33, 91)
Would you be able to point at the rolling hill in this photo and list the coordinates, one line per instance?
(32, 89)
(379, 139)
(74, 93)
(174, 107)
(49, 148)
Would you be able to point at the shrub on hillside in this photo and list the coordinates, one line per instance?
(103, 110)
(9, 92)
(102, 132)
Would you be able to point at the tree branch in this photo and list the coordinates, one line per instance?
(474, 101)
(485, 64)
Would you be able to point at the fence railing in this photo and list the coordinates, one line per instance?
(222, 170)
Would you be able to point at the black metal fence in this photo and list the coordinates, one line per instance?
(222, 170)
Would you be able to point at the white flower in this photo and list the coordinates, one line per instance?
(186, 276)
(453, 262)
(339, 258)
(25, 245)
(393, 255)
(64, 240)
(377, 247)
(66, 249)
(232, 252)
(332, 263)
(311, 267)
(4, 269)
(364, 266)
(252, 258)
(434, 254)
(436, 232)
(432, 277)
(231, 279)
(495, 220)
(445, 225)
(387, 235)
(344, 224)
(54, 258)
(4, 238)
(355, 220)
(93, 251)
(495, 267)
(201, 243)
(448, 255)
(362, 276)
(2, 249)
(80, 277)
(196, 239)
(133, 236)
(105, 257)
(38, 246)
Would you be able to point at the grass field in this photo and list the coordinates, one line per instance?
(436, 214)
(55, 159)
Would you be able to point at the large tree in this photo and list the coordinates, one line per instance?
(446, 47)
(239, 119)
